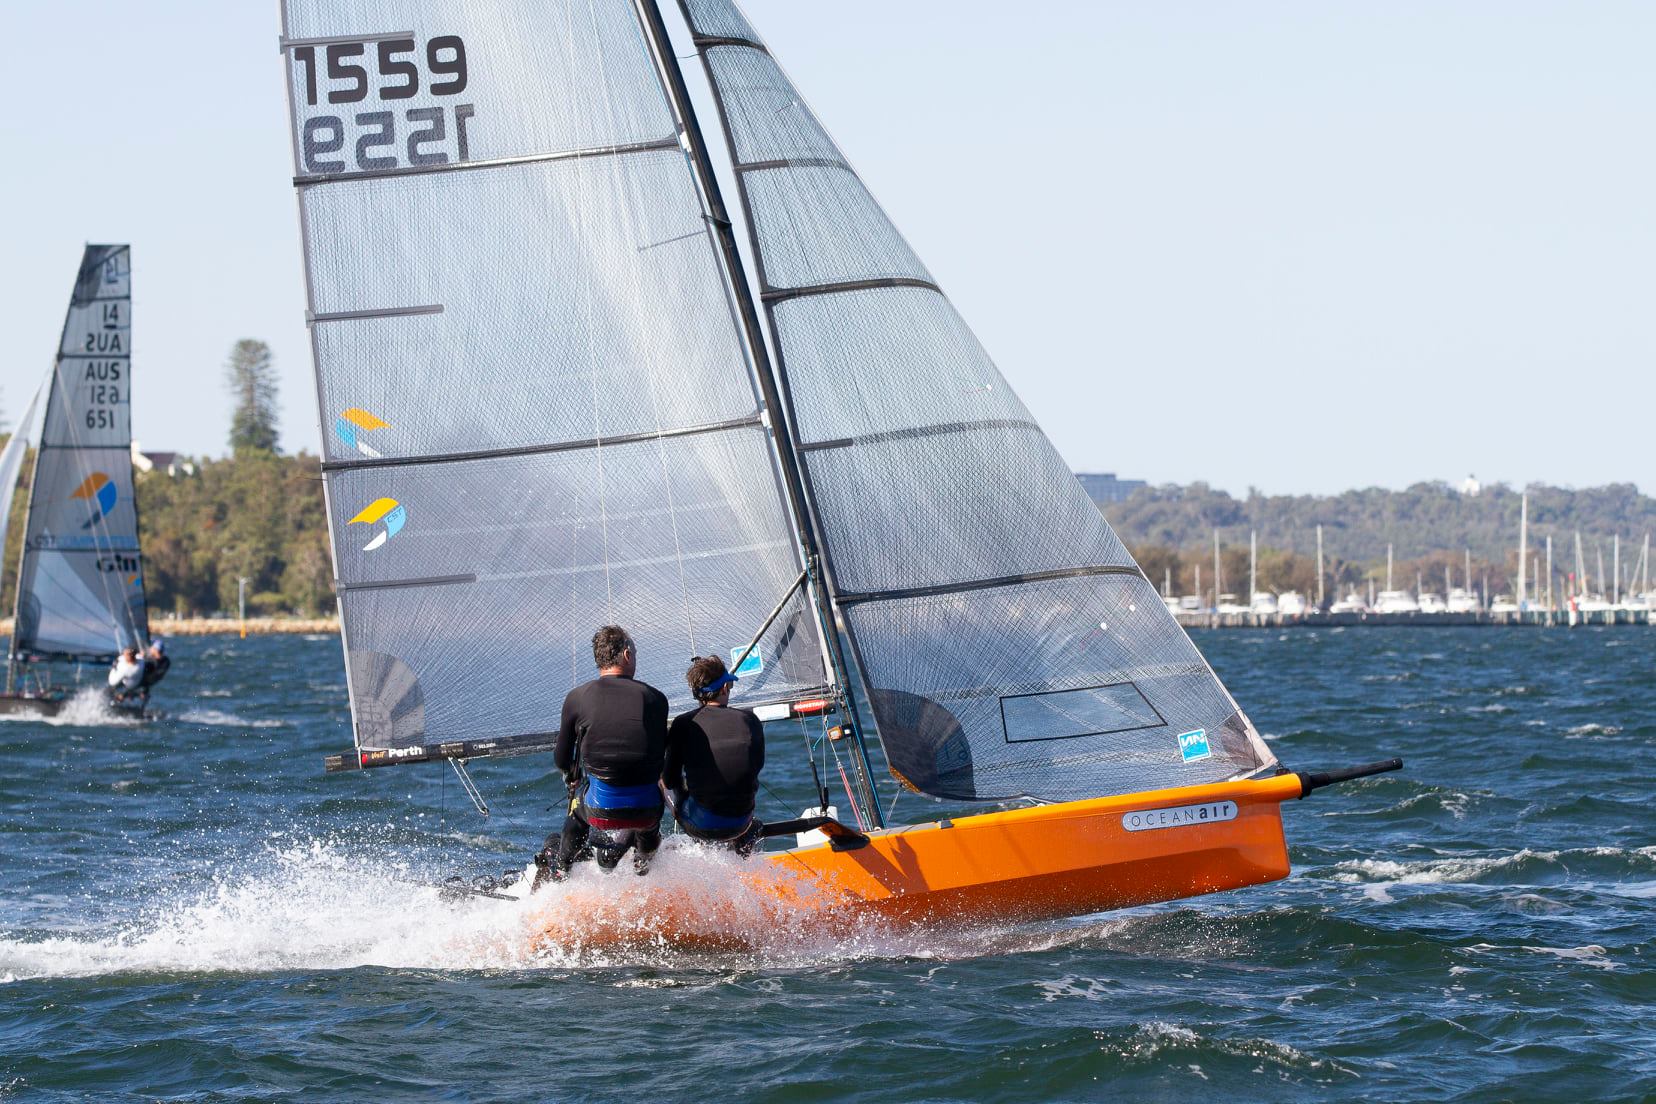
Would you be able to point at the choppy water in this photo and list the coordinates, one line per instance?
(190, 909)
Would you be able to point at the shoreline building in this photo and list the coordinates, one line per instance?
(1104, 488)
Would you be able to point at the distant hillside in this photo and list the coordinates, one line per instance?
(1430, 524)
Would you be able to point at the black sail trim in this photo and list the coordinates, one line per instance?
(313, 179)
(707, 42)
(778, 295)
(986, 584)
(536, 450)
(918, 431)
(794, 163)
(399, 584)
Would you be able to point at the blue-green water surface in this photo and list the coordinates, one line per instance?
(191, 910)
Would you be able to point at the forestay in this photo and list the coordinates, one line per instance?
(539, 416)
(80, 587)
(1010, 643)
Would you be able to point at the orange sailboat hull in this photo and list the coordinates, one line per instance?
(1061, 860)
(1039, 863)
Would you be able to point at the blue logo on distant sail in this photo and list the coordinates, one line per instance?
(1194, 745)
(99, 490)
(752, 665)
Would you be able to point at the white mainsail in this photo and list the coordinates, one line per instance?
(80, 590)
(540, 416)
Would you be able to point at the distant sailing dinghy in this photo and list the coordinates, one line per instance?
(555, 399)
(80, 588)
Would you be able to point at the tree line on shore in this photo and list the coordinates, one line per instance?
(259, 515)
(256, 515)
(1432, 529)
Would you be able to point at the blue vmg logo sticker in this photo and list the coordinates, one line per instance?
(1194, 745)
(752, 665)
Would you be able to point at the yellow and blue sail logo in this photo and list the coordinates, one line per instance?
(98, 490)
(386, 512)
(353, 423)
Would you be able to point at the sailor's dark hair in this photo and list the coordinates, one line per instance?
(609, 644)
(704, 672)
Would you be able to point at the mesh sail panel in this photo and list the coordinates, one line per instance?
(1010, 644)
(81, 584)
(538, 413)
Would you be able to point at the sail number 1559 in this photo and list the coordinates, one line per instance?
(369, 140)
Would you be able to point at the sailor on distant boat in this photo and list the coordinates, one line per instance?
(156, 666)
(610, 748)
(714, 756)
(126, 674)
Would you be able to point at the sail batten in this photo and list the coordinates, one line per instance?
(80, 592)
(309, 181)
(1010, 644)
(576, 437)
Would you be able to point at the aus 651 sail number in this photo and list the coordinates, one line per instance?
(381, 134)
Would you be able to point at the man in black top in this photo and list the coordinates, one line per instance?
(714, 756)
(156, 666)
(610, 749)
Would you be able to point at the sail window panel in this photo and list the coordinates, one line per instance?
(475, 82)
(510, 563)
(818, 225)
(768, 121)
(82, 603)
(956, 507)
(946, 671)
(719, 19)
(843, 351)
(578, 299)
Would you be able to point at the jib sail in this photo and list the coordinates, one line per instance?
(539, 414)
(80, 591)
(1010, 643)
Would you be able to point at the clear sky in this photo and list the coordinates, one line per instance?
(1298, 246)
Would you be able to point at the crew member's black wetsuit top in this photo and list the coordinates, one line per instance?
(717, 752)
(621, 725)
(154, 671)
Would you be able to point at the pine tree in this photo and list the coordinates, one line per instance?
(250, 374)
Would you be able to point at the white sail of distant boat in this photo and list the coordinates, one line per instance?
(11, 461)
(527, 298)
(80, 583)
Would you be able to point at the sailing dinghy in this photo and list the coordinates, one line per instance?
(80, 578)
(558, 392)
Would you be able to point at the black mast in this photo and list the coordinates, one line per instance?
(724, 233)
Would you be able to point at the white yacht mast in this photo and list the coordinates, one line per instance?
(1253, 565)
(1523, 544)
(1320, 568)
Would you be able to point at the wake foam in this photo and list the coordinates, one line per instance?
(219, 718)
(88, 708)
(317, 906)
